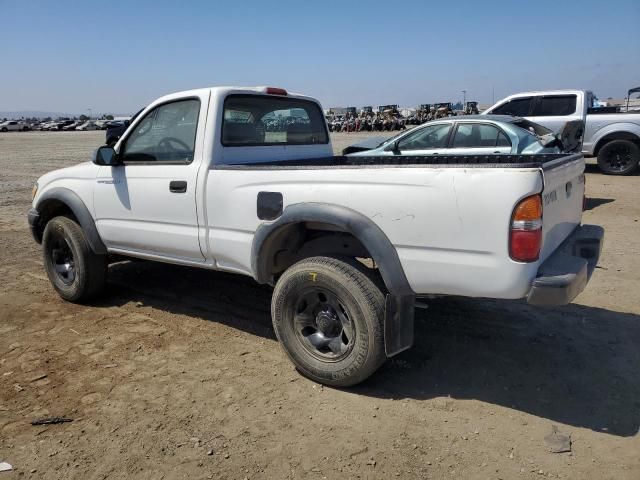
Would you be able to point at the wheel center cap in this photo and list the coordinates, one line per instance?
(328, 323)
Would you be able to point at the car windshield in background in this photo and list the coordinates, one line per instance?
(262, 120)
(535, 128)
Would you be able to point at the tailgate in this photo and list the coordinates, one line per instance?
(562, 199)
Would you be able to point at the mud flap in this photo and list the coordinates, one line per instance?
(399, 312)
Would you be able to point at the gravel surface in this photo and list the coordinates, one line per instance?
(175, 372)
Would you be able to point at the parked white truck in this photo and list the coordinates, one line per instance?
(243, 180)
(612, 137)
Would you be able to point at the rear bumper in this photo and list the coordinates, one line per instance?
(566, 272)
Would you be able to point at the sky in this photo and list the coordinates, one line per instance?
(116, 56)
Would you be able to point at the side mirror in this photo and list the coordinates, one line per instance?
(106, 156)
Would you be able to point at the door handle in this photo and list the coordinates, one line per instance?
(177, 186)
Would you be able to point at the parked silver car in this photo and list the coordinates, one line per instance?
(466, 135)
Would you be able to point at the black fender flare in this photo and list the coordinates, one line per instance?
(399, 307)
(79, 210)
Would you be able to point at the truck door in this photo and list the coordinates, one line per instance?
(148, 204)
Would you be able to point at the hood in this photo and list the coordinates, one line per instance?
(368, 144)
(83, 171)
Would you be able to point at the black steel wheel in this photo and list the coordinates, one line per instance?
(619, 157)
(74, 270)
(61, 257)
(328, 316)
(322, 324)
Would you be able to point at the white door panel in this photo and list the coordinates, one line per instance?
(135, 209)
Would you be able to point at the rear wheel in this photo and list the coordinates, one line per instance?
(76, 273)
(328, 315)
(619, 157)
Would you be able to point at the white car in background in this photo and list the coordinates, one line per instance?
(13, 126)
(88, 126)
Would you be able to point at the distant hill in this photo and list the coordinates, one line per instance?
(34, 113)
(41, 114)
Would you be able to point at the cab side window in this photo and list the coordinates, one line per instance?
(166, 134)
(555, 105)
(427, 138)
(518, 107)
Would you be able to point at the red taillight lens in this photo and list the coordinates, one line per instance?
(525, 236)
(525, 245)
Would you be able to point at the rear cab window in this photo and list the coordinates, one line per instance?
(267, 120)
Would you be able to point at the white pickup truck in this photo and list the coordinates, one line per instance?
(244, 180)
(612, 137)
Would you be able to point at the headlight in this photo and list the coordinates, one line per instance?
(34, 190)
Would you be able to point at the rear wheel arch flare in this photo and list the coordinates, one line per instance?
(619, 135)
(269, 235)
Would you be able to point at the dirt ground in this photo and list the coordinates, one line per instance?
(175, 373)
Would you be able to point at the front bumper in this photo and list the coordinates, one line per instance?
(563, 275)
(33, 218)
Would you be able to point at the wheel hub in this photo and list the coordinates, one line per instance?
(63, 261)
(322, 324)
(328, 323)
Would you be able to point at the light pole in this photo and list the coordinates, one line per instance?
(89, 113)
(464, 98)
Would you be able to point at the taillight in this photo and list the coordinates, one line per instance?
(525, 236)
(275, 91)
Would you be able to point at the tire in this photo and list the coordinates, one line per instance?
(4, 129)
(75, 272)
(328, 315)
(619, 157)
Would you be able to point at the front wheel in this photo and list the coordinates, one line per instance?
(328, 315)
(619, 157)
(76, 273)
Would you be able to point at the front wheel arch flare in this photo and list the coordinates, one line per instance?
(79, 210)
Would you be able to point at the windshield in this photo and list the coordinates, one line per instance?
(390, 139)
